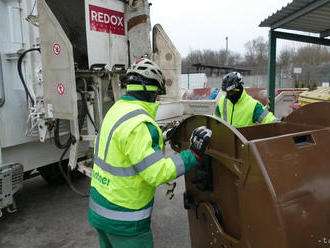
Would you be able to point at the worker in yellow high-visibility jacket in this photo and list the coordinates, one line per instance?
(129, 163)
(237, 107)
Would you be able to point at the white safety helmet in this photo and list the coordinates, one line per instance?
(150, 72)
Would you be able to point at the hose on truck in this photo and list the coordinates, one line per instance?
(57, 141)
(85, 110)
(20, 73)
(65, 146)
(71, 139)
(67, 175)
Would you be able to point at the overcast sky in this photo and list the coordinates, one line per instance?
(193, 24)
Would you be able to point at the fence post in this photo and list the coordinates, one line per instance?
(271, 71)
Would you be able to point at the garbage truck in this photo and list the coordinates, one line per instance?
(61, 63)
(60, 69)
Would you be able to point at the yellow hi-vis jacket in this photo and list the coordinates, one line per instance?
(128, 166)
(246, 112)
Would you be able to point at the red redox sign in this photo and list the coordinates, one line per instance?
(106, 20)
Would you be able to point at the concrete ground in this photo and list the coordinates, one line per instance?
(56, 217)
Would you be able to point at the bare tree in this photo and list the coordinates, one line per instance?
(234, 59)
(286, 56)
(256, 55)
(256, 52)
(312, 55)
(209, 57)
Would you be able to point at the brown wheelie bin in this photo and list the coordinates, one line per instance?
(265, 186)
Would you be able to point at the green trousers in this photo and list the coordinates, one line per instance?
(114, 241)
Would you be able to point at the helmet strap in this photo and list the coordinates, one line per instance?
(237, 95)
(144, 86)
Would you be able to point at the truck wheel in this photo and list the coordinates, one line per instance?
(52, 174)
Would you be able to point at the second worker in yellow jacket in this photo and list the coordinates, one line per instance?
(237, 107)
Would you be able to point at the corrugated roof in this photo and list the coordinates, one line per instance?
(302, 15)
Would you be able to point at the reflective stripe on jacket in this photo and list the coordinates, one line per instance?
(246, 112)
(128, 166)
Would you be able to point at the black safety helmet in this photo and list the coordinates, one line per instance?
(231, 81)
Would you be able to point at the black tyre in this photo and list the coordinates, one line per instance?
(52, 174)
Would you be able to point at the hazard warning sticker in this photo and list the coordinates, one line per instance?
(57, 49)
(60, 89)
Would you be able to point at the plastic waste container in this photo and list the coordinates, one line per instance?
(261, 186)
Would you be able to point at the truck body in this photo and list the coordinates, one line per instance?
(60, 69)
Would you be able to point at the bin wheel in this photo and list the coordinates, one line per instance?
(218, 213)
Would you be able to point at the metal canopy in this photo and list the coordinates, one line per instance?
(312, 16)
(302, 15)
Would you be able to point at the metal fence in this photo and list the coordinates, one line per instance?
(293, 76)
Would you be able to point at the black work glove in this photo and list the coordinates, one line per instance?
(199, 140)
(169, 130)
